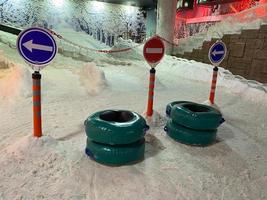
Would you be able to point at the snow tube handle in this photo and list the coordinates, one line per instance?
(146, 128)
(89, 153)
(165, 128)
(222, 120)
(85, 122)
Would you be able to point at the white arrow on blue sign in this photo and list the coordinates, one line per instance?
(217, 53)
(37, 46)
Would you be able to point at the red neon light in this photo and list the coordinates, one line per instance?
(201, 13)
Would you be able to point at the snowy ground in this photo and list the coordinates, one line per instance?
(55, 166)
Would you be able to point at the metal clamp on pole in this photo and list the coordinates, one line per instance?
(36, 98)
(151, 92)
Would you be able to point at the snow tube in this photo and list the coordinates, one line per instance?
(172, 104)
(115, 127)
(196, 116)
(116, 154)
(190, 136)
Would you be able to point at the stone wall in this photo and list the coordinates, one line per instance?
(247, 54)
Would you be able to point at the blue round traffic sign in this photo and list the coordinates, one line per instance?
(217, 53)
(37, 46)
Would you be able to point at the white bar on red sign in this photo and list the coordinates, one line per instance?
(154, 50)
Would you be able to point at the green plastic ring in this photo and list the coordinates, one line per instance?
(116, 154)
(170, 106)
(115, 127)
(189, 136)
(196, 116)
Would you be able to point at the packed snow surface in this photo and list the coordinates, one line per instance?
(56, 167)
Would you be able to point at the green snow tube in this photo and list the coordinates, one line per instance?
(190, 136)
(196, 116)
(115, 127)
(172, 104)
(116, 155)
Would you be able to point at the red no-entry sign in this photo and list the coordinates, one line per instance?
(154, 50)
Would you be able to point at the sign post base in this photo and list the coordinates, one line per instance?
(36, 98)
(213, 85)
(149, 112)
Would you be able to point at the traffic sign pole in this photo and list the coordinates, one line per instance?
(153, 52)
(216, 55)
(36, 98)
(38, 48)
(213, 84)
(149, 112)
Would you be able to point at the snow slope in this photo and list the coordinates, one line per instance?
(55, 166)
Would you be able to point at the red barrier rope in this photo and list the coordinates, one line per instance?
(105, 51)
(114, 51)
(54, 33)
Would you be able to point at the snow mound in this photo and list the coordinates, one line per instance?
(28, 164)
(156, 120)
(208, 103)
(30, 145)
(8, 39)
(76, 53)
(133, 54)
(15, 80)
(93, 78)
(4, 62)
(251, 90)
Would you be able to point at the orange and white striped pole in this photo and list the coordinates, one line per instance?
(36, 98)
(149, 112)
(213, 85)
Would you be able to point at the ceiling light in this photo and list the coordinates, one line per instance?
(58, 3)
